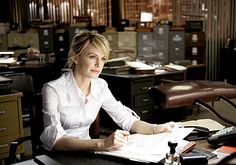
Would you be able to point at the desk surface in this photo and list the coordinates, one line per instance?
(74, 158)
(143, 75)
(86, 158)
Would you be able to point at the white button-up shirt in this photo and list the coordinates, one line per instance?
(67, 111)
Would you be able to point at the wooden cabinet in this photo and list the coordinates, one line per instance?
(11, 126)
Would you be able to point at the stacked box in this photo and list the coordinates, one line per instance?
(112, 37)
(15, 39)
(31, 39)
(127, 41)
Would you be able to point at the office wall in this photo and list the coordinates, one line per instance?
(218, 16)
(220, 24)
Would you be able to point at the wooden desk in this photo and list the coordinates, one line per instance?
(11, 126)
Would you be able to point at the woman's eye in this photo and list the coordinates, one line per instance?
(104, 59)
(92, 56)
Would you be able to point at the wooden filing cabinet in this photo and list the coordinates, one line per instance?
(11, 126)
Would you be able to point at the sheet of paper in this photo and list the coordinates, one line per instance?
(150, 148)
(139, 65)
(212, 125)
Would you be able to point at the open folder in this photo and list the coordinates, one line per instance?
(150, 148)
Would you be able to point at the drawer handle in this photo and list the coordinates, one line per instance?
(3, 129)
(3, 145)
(145, 100)
(144, 88)
(2, 112)
(143, 112)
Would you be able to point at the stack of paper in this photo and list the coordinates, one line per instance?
(150, 148)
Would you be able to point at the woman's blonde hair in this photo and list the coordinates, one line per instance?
(81, 40)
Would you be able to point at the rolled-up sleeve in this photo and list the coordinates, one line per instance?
(53, 129)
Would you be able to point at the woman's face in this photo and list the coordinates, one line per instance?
(90, 63)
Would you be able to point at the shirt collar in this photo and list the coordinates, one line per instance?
(74, 89)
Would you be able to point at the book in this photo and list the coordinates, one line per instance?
(116, 69)
(116, 62)
(224, 151)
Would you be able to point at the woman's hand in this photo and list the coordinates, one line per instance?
(116, 140)
(166, 127)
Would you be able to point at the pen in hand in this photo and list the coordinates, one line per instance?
(124, 137)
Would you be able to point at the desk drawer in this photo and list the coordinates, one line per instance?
(5, 143)
(141, 86)
(8, 110)
(146, 113)
(7, 129)
(142, 100)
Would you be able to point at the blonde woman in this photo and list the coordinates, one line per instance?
(72, 102)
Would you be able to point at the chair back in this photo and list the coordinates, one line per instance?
(195, 72)
(32, 102)
(24, 83)
(36, 118)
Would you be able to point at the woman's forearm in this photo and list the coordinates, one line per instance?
(67, 143)
(143, 127)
